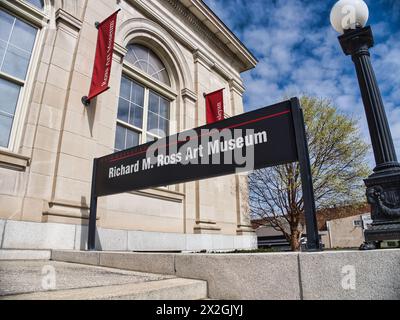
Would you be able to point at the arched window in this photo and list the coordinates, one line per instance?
(143, 113)
(37, 3)
(147, 61)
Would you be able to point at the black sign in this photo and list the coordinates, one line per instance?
(266, 137)
(254, 140)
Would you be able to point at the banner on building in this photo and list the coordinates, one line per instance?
(215, 106)
(103, 58)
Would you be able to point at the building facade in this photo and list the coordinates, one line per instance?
(168, 53)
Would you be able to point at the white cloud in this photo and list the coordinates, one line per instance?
(299, 53)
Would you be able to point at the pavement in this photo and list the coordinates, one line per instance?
(59, 280)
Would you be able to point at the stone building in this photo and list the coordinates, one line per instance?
(167, 54)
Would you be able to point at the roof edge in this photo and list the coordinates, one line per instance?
(240, 50)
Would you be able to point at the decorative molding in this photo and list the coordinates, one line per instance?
(161, 194)
(200, 57)
(67, 210)
(189, 95)
(221, 71)
(119, 53)
(120, 50)
(237, 86)
(232, 40)
(68, 23)
(152, 11)
(14, 161)
(200, 27)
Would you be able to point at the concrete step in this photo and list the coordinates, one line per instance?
(171, 289)
(24, 255)
(50, 280)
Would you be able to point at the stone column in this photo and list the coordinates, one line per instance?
(205, 214)
(242, 206)
(189, 189)
(55, 78)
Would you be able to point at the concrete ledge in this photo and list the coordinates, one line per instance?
(25, 255)
(81, 257)
(244, 277)
(28, 235)
(54, 236)
(360, 275)
(154, 263)
(371, 275)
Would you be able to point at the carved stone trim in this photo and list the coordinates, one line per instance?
(236, 86)
(199, 26)
(68, 23)
(189, 94)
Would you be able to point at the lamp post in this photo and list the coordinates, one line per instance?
(349, 18)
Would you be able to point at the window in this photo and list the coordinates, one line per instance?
(37, 3)
(17, 39)
(143, 114)
(147, 61)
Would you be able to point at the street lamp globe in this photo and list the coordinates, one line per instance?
(349, 14)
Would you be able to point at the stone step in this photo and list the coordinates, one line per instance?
(51, 280)
(171, 289)
(9, 255)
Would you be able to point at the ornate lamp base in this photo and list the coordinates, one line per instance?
(383, 194)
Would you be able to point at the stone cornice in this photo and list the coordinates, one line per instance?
(200, 57)
(189, 94)
(197, 12)
(199, 26)
(119, 52)
(236, 86)
(68, 23)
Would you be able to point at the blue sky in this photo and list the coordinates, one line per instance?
(299, 53)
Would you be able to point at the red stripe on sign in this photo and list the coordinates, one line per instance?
(132, 154)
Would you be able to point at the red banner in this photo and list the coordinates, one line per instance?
(215, 106)
(104, 54)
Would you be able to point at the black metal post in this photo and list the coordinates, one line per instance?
(313, 241)
(383, 187)
(93, 211)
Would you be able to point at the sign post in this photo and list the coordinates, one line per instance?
(263, 138)
(313, 243)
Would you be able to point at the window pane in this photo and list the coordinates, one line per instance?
(9, 93)
(147, 61)
(123, 110)
(137, 94)
(16, 62)
(164, 108)
(152, 123)
(2, 50)
(132, 139)
(136, 116)
(5, 130)
(154, 103)
(125, 91)
(120, 138)
(163, 76)
(37, 3)
(6, 23)
(164, 127)
(23, 36)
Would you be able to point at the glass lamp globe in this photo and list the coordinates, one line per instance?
(349, 14)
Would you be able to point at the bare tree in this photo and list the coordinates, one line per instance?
(337, 154)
